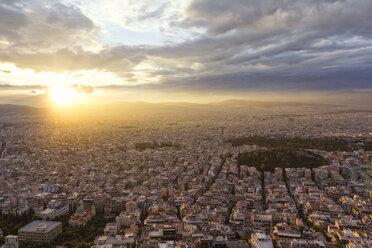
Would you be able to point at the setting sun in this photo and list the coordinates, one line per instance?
(63, 96)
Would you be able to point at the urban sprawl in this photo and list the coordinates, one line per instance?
(178, 180)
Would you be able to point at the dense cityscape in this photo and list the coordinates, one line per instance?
(280, 176)
(185, 124)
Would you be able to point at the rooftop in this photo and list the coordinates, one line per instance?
(40, 226)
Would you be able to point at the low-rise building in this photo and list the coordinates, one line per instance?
(40, 231)
(55, 209)
(261, 240)
(11, 241)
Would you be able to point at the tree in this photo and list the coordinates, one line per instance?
(83, 245)
(2, 240)
(142, 216)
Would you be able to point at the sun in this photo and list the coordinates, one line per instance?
(63, 96)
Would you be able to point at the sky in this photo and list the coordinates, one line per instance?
(66, 51)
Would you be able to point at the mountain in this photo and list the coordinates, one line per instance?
(10, 110)
(266, 104)
(138, 110)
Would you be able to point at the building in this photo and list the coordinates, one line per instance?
(11, 241)
(88, 202)
(111, 229)
(262, 222)
(82, 217)
(130, 207)
(47, 214)
(55, 209)
(40, 231)
(261, 240)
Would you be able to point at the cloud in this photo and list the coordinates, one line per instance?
(231, 45)
(5, 86)
(83, 89)
(36, 92)
(41, 25)
(219, 16)
(10, 21)
(115, 59)
(145, 13)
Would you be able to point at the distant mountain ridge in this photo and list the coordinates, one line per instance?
(249, 103)
(146, 108)
(12, 109)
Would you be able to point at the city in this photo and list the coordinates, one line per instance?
(185, 124)
(178, 180)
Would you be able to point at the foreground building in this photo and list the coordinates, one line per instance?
(40, 231)
(261, 240)
(11, 241)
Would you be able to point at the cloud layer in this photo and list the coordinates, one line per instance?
(226, 45)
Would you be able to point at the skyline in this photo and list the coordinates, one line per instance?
(195, 50)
